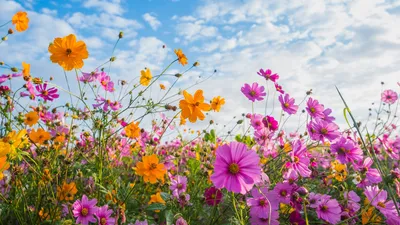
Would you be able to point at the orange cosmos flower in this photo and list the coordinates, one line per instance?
(20, 20)
(66, 191)
(4, 165)
(150, 169)
(68, 53)
(26, 71)
(181, 57)
(145, 77)
(39, 136)
(132, 130)
(31, 118)
(182, 120)
(162, 86)
(216, 103)
(192, 106)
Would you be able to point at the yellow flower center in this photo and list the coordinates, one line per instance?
(153, 166)
(283, 193)
(312, 110)
(324, 131)
(381, 204)
(103, 221)
(341, 151)
(262, 202)
(84, 212)
(252, 93)
(213, 196)
(234, 168)
(286, 105)
(324, 208)
(296, 159)
(45, 93)
(69, 51)
(179, 186)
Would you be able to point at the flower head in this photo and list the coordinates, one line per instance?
(314, 109)
(287, 104)
(213, 196)
(217, 102)
(47, 94)
(192, 106)
(39, 136)
(236, 168)
(329, 210)
(145, 77)
(68, 52)
(267, 74)
(103, 215)
(84, 210)
(181, 57)
(66, 191)
(253, 92)
(261, 203)
(346, 151)
(31, 118)
(389, 96)
(178, 186)
(150, 169)
(26, 70)
(132, 130)
(20, 20)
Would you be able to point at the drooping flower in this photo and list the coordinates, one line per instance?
(217, 102)
(178, 185)
(103, 215)
(156, 198)
(389, 96)
(31, 118)
(150, 169)
(287, 104)
(132, 130)
(299, 159)
(21, 21)
(253, 92)
(89, 77)
(145, 77)
(84, 210)
(314, 109)
(181, 57)
(236, 168)
(66, 191)
(68, 52)
(39, 136)
(213, 196)
(192, 106)
(329, 210)
(346, 150)
(47, 94)
(267, 74)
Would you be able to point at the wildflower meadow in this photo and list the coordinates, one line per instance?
(90, 157)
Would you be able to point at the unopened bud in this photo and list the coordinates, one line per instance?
(4, 38)
(121, 34)
(14, 69)
(196, 64)
(112, 59)
(178, 75)
(10, 31)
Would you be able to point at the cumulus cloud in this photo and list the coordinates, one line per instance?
(152, 21)
(108, 6)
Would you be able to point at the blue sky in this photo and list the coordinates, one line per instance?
(316, 44)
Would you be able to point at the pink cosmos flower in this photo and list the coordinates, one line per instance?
(106, 82)
(267, 74)
(84, 210)
(279, 88)
(327, 118)
(253, 92)
(282, 192)
(89, 77)
(378, 198)
(295, 218)
(329, 210)
(262, 136)
(213, 196)
(107, 103)
(266, 221)
(103, 215)
(31, 91)
(372, 175)
(5, 77)
(236, 168)
(287, 104)
(181, 221)
(389, 96)
(261, 203)
(320, 130)
(299, 159)
(346, 150)
(47, 94)
(178, 185)
(314, 109)
(256, 121)
(270, 123)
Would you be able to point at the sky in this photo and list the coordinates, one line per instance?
(311, 44)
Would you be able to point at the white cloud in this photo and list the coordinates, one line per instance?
(49, 11)
(103, 19)
(108, 6)
(152, 21)
(94, 42)
(192, 31)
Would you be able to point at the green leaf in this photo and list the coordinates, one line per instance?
(165, 196)
(156, 206)
(194, 165)
(169, 217)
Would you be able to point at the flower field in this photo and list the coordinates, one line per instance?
(99, 159)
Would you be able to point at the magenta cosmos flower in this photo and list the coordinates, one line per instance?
(320, 130)
(106, 103)
(236, 168)
(84, 210)
(329, 210)
(253, 92)
(178, 185)
(267, 74)
(103, 215)
(262, 203)
(299, 159)
(47, 94)
(346, 150)
(314, 109)
(378, 199)
(287, 104)
(213, 196)
(270, 123)
(389, 96)
(279, 88)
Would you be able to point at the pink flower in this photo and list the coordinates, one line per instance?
(267, 74)
(329, 210)
(261, 203)
(266, 221)
(107, 103)
(47, 94)
(253, 92)
(103, 215)
(257, 121)
(282, 192)
(236, 168)
(213, 196)
(378, 199)
(106, 82)
(346, 150)
(314, 109)
(5, 77)
(270, 123)
(89, 77)
(279, 88)
(287, 104)
(299, 159)
(84, 210)
(178, 185)
(320, 130)
(389, 96)
(372, 175)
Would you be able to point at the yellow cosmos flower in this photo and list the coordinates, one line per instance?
(162, 86)
(21, 21)
(156, 199)
(192, 106)
(66, 191)
(31, 118)
(26, 71)
(39, 136)
(150, 169)
(181, 57)
(145, 77)
(68, 52)
(216, 103)
(132, 130)
(16, 140)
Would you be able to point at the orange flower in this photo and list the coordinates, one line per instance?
(181, 57)
(68, 53)
(26, 70)
(4, 165)
(150, 169)
(66, 191)
(162, 86)
(156, 199)
(182, 121)
(192, 106)
(370, 217)
(20, 20)
(132, 130)
(216, 103)
(15, 140)
(145, 77)
(39, 136)
(31, 118)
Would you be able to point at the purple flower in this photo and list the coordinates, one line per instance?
(178, 186)
(267, 74)
(137, 222)
(103, 215)
(253, 92)
(213, 196)
(295, 218)
(320, 130)
(346, 150)
(89, 77)
(389, 96)
(107, 103)
(314, 109)
(256, 121)
(299, 159)
(287, 104)
(106, 82)
(5, 77)
(270, 123)
(266, 221)
(329, 210)
(181, 221)
(372, 175)
(47, 94)
(261, 204)
(236, 168)
(282, 192)
(279, 88)
(378, 199)
(84, 210)
(327, 117)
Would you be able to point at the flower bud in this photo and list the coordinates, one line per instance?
(10, 31)
(4, 38)
(121, 34)
(302, 191)
(178, 75)
(196, 64)
(14, 69)
(112, 59)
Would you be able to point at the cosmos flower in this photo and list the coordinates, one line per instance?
(213, 196)
(261, 203)
(253, 92)
(84, 210)
(329, 210)
(389, 96)
(192, 106)
(267, 74)
(346, 150)
(287, 104)
(314, 109)
(299, 159)
(217, 102)
(178, 185)
(145, 77)
(151, 169)
(103, 215)
(21, 21)
(47, 94)
(181, 57)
